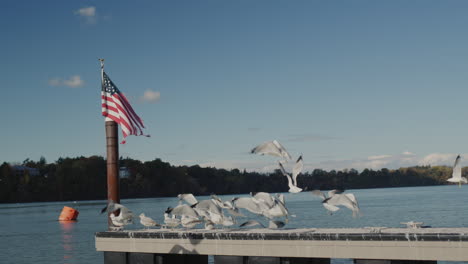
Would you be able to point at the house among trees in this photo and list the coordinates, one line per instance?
(20, 170)
(124, 173)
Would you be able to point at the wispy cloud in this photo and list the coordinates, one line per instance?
(374, 162)
(151, 96)
(88, 14)
(73, 82)
(438, 159)
(308, 137)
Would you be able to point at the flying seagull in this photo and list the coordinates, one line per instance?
(292, 179)
(457, 173)
(120, 216)
(273, 148)
(336, 198)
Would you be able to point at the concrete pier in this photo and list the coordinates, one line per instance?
(372, 245)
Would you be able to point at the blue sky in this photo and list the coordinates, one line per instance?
(348, 84)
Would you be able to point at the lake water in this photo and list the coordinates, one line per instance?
(30, 232)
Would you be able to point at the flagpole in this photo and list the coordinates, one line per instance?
(112, 147)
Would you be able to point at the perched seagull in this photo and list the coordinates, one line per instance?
(182, 209)
(209, 225)
(456, 174)
(190, 222)
(336, 198)
(273, 148)
(171, 221)
(252, 223)
(228, 221)
(147, 221)
(275, 224)
(412, 224)
(292, 184)
(235, 212)
(188, 198)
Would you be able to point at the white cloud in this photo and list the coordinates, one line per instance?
(88, 14)
(378, 157)
(73, 82)
(374, 162)
(438, 159)
(151, 96)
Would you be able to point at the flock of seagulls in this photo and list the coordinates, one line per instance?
(215, 213)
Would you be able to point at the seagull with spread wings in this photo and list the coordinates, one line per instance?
(337, 198)
(457, 173)
(272, 148)
(292, 178)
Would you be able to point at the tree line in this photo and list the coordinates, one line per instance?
(84, 178)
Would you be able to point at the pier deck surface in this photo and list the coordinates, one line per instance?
(449, 244)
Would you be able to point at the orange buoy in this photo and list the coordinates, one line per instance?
(68, 214)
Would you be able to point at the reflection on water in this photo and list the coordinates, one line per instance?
(30, 233)
(67, 240)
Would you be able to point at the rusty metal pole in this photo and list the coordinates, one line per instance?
(112, 145)
(113, 193)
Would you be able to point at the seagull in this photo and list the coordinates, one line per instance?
(263, 204)
(292, 184)
(229, 221)
(147, 221)
(275, 224)
(457, 173)
(297, 169)
(275, 205)
(125, 217)
(336, 198)
(412, 224)
(188, 198)
(273, 148)
(118, 222)
(249, 204)
(190, 222)
(209, 225)
(120, 215)
(171, 221)
(227, 205)
(182, 209)
(252, 223)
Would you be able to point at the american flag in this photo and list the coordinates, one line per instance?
(116, 107)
